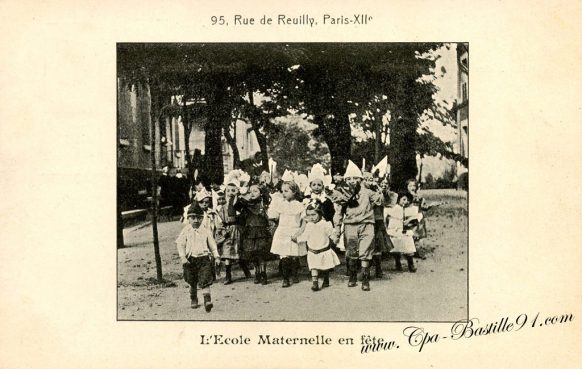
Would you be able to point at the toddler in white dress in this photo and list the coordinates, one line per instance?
(320, 256)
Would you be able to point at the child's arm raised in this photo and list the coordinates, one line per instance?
(273, 211)
(376, 198)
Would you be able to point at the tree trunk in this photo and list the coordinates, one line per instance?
(337, 136)
(262, 140)
(152, 119)
(232, 142)
(403, 142)
(187, 124)
(218, 114)
(261, 137)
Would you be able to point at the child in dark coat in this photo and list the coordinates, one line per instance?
(255, 235)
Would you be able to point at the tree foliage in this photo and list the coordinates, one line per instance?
(292, 146)
(327, 82)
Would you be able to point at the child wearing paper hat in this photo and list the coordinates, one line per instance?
(231, 231)
(255, 236)
(318, 183)
(354, 208)
(382, 243)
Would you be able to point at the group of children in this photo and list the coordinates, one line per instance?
(247, 221)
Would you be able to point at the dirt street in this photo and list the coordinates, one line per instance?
(436, 292)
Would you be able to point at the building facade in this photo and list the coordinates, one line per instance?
(462, 107)
(134, 132)
(173, 140)
(134, 144)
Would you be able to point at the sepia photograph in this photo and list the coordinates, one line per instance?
(292, 182)
(287, 184)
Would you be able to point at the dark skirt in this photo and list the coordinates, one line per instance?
(255, 244)
(382, 243)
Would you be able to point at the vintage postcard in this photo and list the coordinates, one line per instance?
(263, 185)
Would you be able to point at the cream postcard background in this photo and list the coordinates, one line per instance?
(58, 163)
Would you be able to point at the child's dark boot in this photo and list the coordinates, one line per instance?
(228, 277)
(411, 266)
(257, 274)
(366, 279)
(353, 267)
(193, 298)
(378, 266)
(285, 270)
(295, 265)
(325, 279)
(245, 268)
(207, 302)
(264, 279)
(398, 262)
(315, 286)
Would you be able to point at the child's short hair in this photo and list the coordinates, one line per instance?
(195, 211)
(410, 181)
(404, 194)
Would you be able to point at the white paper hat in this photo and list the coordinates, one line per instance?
(327, 181)
(202, 194)
(302, 182)
(317, 172)
(232, 181)
(287, 176)
(232, 178)
(352, 170)
(382, 167)
(215, 195)
(244, 177)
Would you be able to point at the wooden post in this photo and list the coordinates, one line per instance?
(154, 181)
(120, 243)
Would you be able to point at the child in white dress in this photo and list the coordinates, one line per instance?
(400, 229)
(288, 210)
(320, 256)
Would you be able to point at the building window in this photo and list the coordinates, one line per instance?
(464, 91)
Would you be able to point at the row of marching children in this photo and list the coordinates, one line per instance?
(251, 222)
